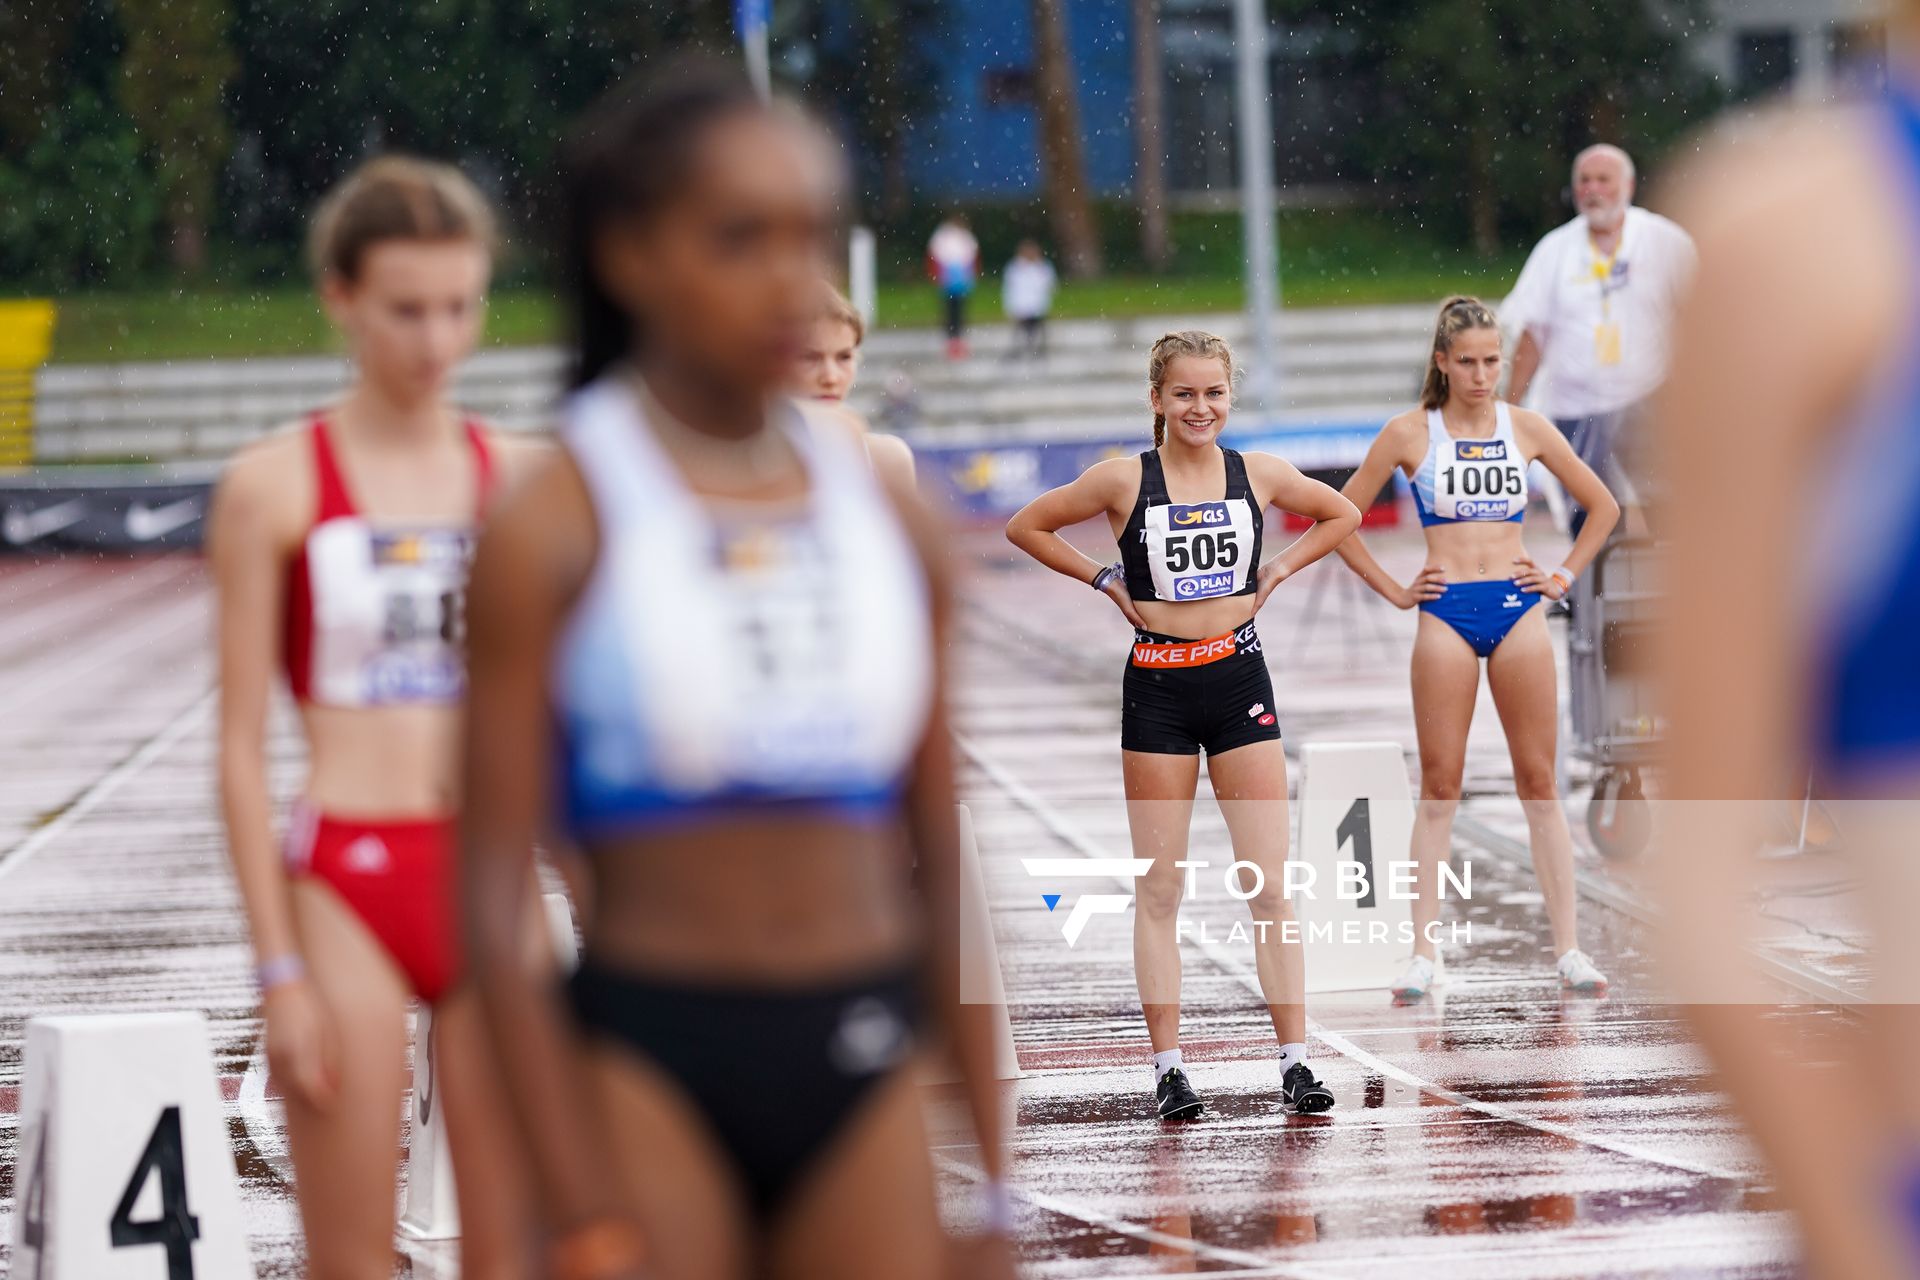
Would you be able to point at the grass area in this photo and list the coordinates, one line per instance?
(1324, 262)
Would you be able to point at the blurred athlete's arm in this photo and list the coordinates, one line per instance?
(532, 560)
(934, 832)
(892, 460)
(1544, 443)
(1334, 519)
(1396, 446)
(251, 534)
(518, 454)
(1103, 488)
(889, 456)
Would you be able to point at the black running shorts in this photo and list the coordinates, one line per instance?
(1185, 696)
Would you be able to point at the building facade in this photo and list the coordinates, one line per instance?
(982, 141)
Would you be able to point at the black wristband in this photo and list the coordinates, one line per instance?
(1105, 576)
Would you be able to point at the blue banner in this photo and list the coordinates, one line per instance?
(998, 478)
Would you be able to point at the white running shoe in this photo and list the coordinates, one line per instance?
(1416, 980)
(1577, 973)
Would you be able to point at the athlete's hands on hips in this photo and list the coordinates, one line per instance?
(1117, 592)
(1271, 575)
(1429, 584)
(302, 1052)
(1529, 576)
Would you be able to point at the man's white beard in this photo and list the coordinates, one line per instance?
(1606, 219)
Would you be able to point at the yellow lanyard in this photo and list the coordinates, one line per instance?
(1603, 271)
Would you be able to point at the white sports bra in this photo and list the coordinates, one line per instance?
(1478, 479)
(720, 658)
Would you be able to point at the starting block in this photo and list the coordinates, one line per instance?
(980, 981)
(432, 1209)
(1355, 808)
(125, 1171)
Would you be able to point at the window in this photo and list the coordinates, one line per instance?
(1763, 62)
(1008, 87)
(1857, 55)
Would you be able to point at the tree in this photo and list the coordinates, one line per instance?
(1150, 136)
(173, 74)
(78, 207)
(1482, 104)
(493, 85)
(879, 71)
(1063, 163)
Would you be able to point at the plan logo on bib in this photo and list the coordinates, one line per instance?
(1481, 510)
(1196, 586)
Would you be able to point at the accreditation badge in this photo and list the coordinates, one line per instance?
(1606, 342)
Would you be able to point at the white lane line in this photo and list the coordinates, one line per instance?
(256, 1114)
(1255, 1263)
(1068, 832)
(111, 781)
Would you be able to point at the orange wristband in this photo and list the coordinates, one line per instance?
(595, 1250)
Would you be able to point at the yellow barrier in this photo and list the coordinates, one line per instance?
(26, 337)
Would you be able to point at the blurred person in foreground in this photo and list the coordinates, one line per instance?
(708, 639)
(1791, 433)
(1592, 313)
(824, 373)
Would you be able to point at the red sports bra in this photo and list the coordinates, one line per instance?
(375, 613)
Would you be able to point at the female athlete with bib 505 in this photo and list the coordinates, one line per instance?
(339, 551)
(710, 635)
(1189, 515)
(1467, 453)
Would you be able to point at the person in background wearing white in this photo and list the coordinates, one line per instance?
(1592, 310)
(953, 260)
(1026, 292)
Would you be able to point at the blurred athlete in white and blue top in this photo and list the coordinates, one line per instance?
(1792, 421)
(1467, 453)
(706, 640)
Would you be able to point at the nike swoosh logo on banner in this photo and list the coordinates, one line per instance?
(145, 523)
(21, 527)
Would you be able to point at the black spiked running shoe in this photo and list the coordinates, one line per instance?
(1178, 1101)
(1302, 1094)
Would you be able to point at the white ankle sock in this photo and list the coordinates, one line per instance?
(1164, 1062)
(1290, 1054)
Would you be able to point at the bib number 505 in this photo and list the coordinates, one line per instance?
(1203, 551)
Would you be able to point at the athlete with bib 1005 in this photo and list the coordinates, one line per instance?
(1467, 453)
(1189, 516)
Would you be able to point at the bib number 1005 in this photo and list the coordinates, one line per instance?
(1216, 550)
(1485, 482)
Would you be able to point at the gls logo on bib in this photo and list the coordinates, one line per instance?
(1480, 450)
(1201, 515)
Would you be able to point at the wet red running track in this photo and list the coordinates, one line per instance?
(1497, 1130)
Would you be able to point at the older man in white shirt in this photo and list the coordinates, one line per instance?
(1593, 307)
